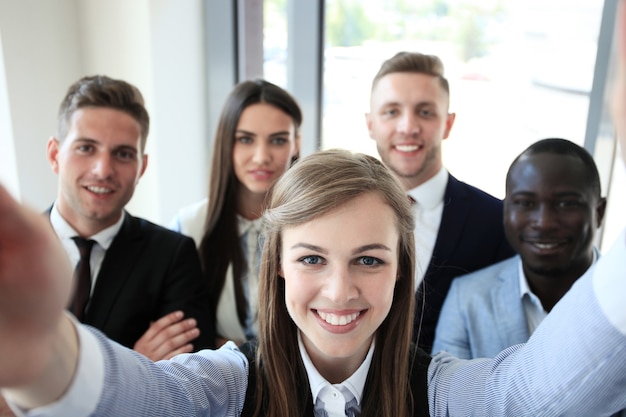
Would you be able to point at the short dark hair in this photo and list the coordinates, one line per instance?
(102, 91)
(564, 147)
(413, 62)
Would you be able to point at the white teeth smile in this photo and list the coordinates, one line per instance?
(337, 320)
(407, 148)
(99, 190)
(545, 245)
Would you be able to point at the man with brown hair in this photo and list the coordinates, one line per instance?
(144, 278)
(458, 228)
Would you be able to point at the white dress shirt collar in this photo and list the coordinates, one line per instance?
(66, 232)
(430, 193)
(524, 288)
(533, 308)
(355, 383)
(244, 225)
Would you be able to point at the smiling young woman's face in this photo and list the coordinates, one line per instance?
(265, 143)
(340, 271)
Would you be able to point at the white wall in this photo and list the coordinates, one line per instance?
(155, 44)
(41, 58)
(8, 165)
(180, 111)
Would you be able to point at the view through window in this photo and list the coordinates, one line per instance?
(519, 71)
(515, 76)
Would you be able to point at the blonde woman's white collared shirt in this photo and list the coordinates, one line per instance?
(334, 397)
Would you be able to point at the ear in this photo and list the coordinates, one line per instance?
(281, 273)
(296, 148)
(368, 122)
(600, 211)
(144, 164)
(449, 123)
(52, 153)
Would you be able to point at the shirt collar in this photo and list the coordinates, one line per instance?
(355, 383)
(430, 193)
(246, 225)
(63, 229)
(524, 288)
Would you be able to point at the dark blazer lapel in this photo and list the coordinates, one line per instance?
(117, 265)
(453, 220)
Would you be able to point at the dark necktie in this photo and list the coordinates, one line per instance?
(82, 278)
(352, 409)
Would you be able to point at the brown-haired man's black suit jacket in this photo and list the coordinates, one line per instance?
(148, 272)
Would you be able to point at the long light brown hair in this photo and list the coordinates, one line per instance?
(314, 186)
(220, 246)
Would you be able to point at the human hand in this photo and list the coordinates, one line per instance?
(168, 337)
(35, 280)
(5, 411)
(38, 342)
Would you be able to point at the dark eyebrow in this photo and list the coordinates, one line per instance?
(86, 140)
(126, 148)
(358, 250)
(372, 246)
(282, 133)
(419, 104)
(96, 142)
(566, 193)
(310, 247)
(245, 132)
(390, 104)
(523, 193)
(561, 194)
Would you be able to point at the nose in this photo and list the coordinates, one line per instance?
(339, 287)
(261, 154)
(545, 216)
(408, 124)
(103, 166)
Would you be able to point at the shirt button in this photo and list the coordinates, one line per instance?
(335, 395)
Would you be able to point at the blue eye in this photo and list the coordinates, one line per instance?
(245, 139)
(369, 261)
(311, 260)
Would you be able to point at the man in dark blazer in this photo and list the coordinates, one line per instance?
(458, 227)
(146, 290)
